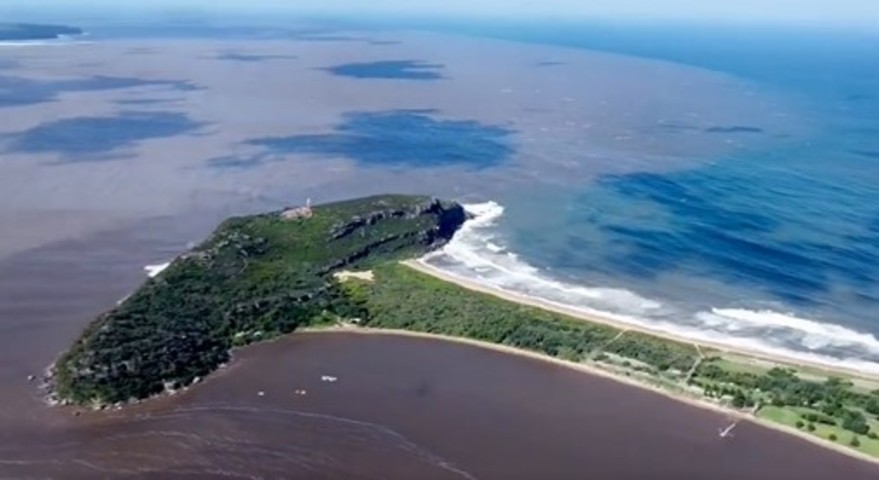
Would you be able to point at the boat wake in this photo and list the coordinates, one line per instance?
(477, 255)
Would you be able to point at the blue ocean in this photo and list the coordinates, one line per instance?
(773, 248)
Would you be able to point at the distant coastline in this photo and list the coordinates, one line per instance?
(32, 31)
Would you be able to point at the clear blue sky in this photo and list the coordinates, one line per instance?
(828, 12)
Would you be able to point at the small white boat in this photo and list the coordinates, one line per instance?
(727, 432)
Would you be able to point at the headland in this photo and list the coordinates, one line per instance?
(349, 265)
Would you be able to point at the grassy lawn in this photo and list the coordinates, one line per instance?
(743, 364)
(863, 385)
(735, 363)
(790, 415)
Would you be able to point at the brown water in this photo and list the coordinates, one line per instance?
(402, 407)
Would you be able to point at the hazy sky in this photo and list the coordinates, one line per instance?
(837, 12)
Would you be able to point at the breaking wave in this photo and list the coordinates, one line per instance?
(476, 254)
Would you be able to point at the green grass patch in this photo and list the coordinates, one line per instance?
(789, 416)
(742, 365)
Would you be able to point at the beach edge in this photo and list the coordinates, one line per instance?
(586, 369)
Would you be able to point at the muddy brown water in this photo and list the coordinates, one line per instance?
(402, 408)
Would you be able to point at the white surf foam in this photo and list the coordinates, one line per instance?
(475, 248)
(477, 254)
(815, 334)
(494, 247)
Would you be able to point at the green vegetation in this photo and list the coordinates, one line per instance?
(402, 298)
(29, 31)
(262, 276)
(255, 278)
(831, 409)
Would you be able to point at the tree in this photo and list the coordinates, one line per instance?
(855, 422)
(810, 427)
(838, 383)
(831, 409)
(800, 424)
(832, 437)
(569, 354)
(855, 442)
(739, 399)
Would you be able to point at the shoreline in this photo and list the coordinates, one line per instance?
(735, 415)
(421, 266)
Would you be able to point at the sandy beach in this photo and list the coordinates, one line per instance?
(424, 267)
(690, 400)
(733, 414)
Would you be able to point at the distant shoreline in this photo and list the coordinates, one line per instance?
(735, 415)
(423, 267)
(27, 32)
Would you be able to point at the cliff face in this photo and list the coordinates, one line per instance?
(254, 278)
(435, 222)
